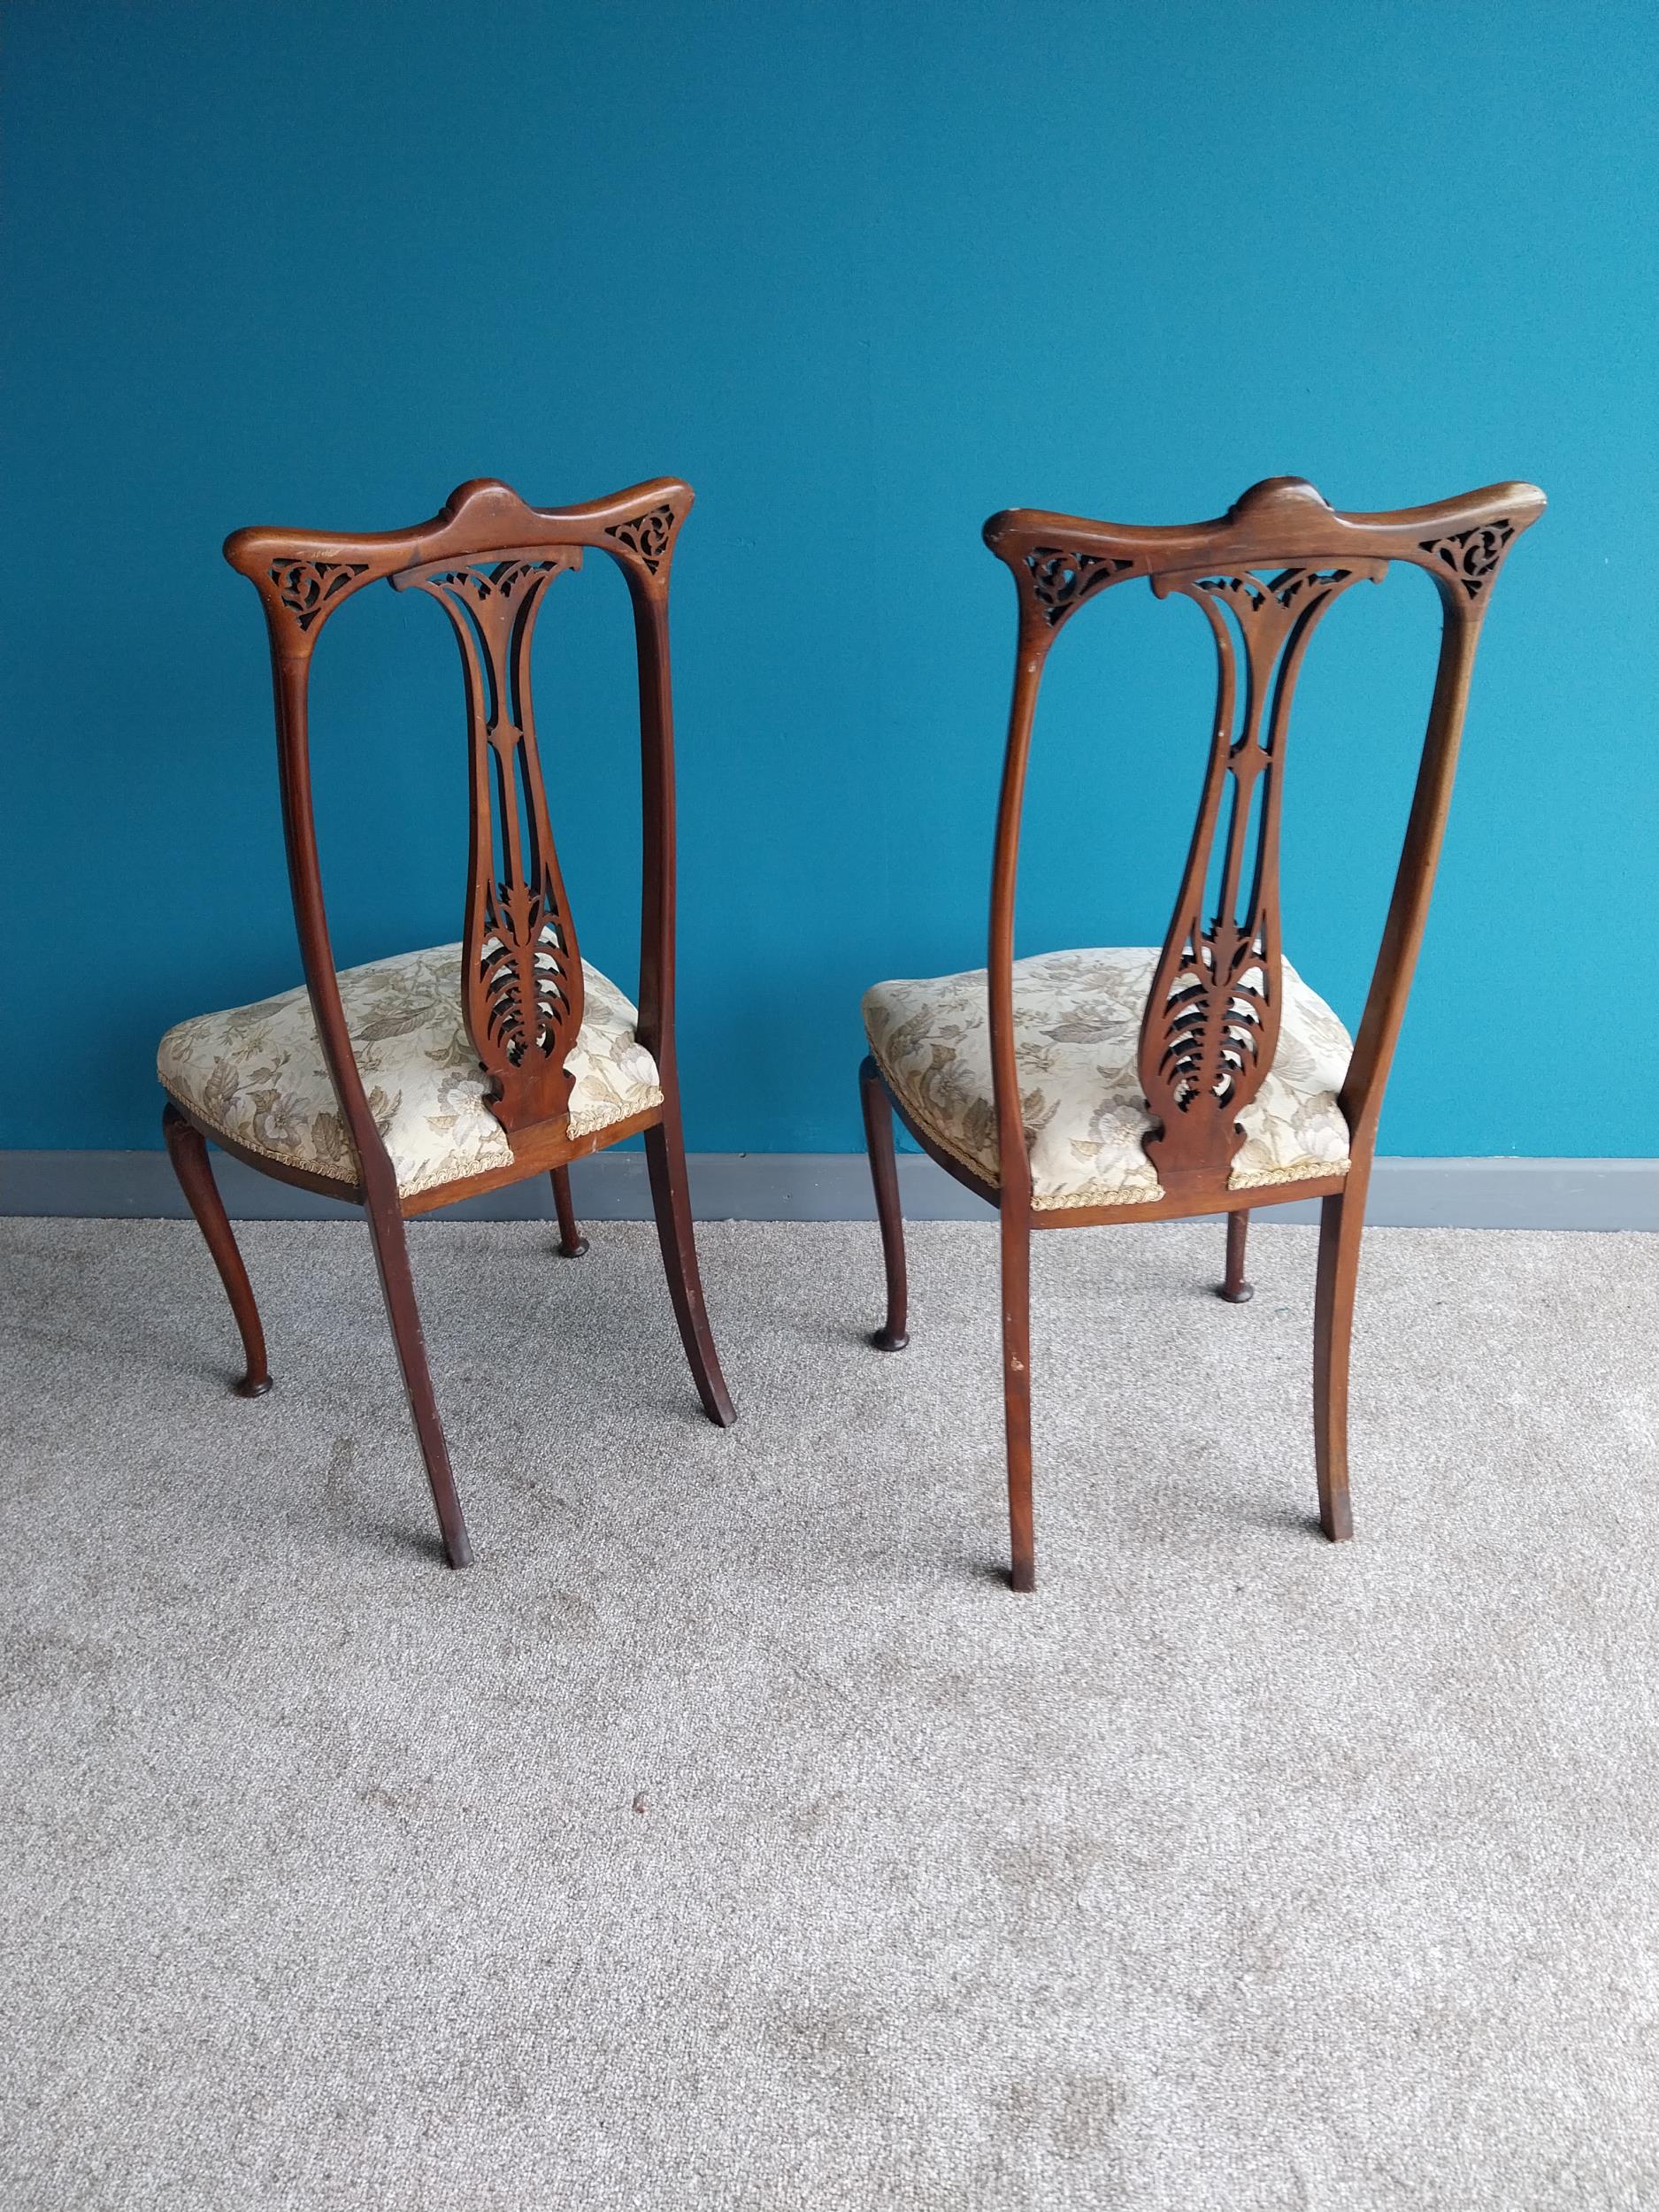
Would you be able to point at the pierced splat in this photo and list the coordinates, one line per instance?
(1213, 1013)
(521, 983)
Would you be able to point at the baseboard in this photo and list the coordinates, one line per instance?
(1408, 1194)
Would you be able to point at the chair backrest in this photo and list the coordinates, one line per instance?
(1263, 575)
(487, 559)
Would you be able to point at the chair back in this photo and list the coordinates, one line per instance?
(1263, 576)
(487, 559)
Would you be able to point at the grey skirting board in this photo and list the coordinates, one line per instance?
(1412, 1193)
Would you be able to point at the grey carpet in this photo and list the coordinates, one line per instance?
(729, 1837)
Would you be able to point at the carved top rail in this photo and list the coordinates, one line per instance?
(304, 576)
(487, 559)
(1061, 560)
(1263, 575)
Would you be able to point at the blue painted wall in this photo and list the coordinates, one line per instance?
(862, 273)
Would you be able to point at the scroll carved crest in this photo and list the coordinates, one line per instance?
(1212, 1019)
(1061, 581)
(1474, 557)
(647, 534)
(522, 982)
(305, 587)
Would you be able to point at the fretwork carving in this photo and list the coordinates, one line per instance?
(1212, 1016)
(1474, 557)
(305, 587)
(521, 984)
(647, 534)
(1061, 581)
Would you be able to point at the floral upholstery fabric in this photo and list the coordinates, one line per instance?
(257, 1074)
(1077, 1021)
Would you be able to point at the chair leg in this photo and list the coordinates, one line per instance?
(666, 1158)
(893, 1336)
(1341, 1224)
(572, 1243)
(391, 1258)
(1016, 1270)
(1235, 1290)
(186, 1148)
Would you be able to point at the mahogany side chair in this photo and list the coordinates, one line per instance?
(433, 1076)
(1202, 1076)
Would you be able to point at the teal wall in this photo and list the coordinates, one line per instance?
(862, 273)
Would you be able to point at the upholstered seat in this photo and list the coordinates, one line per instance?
(256, 1075)
(1077, 1019)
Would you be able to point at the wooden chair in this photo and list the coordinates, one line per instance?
(1202, 1077)
(414, 1082)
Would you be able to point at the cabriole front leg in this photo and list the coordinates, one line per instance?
(894, 1335)
(186, 1148)
(1235, 1289)
(571, 1243)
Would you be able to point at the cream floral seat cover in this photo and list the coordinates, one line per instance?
(1076, 1022)
(257, 1074)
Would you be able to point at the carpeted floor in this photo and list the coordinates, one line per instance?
(729, 1836)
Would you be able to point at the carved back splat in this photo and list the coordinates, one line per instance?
(1263, 575)
(521, 974)
(1212, 1016)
